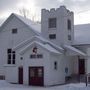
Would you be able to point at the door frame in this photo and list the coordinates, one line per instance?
(79, 63)
(20, 75)
(42, 74)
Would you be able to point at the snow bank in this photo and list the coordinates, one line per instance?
(7, 86)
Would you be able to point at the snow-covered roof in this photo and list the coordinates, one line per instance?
(34, 25)
(45, 46)
(39, 39)
(79, 52)
(82, 34)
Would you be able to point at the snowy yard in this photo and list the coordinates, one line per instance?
(6, 86)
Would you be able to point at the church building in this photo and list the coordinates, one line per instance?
(42, 54)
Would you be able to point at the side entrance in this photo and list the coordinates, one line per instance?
(36, 76)
(81, 66)
(20, 75)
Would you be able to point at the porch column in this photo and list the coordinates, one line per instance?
(88, 65)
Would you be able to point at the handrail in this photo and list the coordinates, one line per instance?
(87, 78)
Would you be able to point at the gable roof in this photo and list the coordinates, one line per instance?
(35, 27)
(45, 46)
(39, 39)
(82, 34)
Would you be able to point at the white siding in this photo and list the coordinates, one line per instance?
(27, 62)
(61, 30)
(9, 40)
(11, 73)
(57, 76)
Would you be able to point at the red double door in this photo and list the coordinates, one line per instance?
(36, 76)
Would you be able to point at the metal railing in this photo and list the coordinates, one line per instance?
(87, 79)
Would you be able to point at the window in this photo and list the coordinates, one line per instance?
(11, 56)
(9, 51)
(69, 37)
(9, 61)
(13, 61)
(52, 23)
(14, 31)
(55, 65)
(69, 24)
(52, 36)
(40, 72)
(32, 73)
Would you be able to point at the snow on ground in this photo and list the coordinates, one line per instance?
(7, 86)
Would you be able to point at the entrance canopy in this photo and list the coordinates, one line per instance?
(73, 51)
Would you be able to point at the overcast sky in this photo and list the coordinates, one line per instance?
(81, 8)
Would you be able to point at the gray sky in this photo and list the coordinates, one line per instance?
(81, 8)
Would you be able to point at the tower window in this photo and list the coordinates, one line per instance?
(52, 36)
(69, 24)
(69, 37)
(52, 23)
(14, 31)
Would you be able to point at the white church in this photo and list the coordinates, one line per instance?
(44, 54)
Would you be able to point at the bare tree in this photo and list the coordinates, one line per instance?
(28, 14)
(24, 12)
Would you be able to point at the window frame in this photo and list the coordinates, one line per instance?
(52, 22)
(69, 24)
(11, 56)
(52, 36)
(14, 31)
(69, 37)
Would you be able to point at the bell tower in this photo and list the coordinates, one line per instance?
(57, 25)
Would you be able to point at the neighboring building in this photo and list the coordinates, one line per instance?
(45, 54)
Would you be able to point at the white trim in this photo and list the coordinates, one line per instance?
(45, 46)
(22, 20)
(44, 41)
(9, 65)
